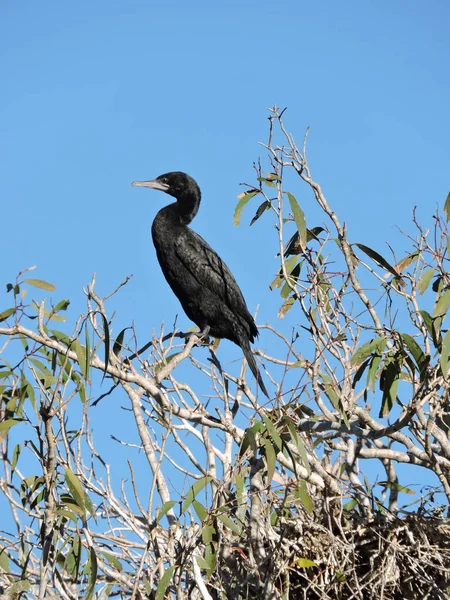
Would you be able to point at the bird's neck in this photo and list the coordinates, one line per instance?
(186, 206)
(177, 213)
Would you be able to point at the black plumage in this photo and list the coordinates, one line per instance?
(199, 278)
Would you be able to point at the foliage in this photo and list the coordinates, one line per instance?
(226, 496)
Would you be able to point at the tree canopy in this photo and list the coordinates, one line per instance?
(226, 494)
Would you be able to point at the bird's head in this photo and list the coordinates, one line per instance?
(177, 184)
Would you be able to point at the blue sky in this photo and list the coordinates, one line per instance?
(98, 94)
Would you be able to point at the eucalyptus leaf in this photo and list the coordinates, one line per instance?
(299, 218)
(76, 489)
(378, 259)
(376, 344)
(425, 280)
(39, 283)
(447, 207)
(165, 509)
(243, 199)
(194, 490)
(164, 583)
(7, 313)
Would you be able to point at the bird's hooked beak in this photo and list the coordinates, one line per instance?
(154, 185)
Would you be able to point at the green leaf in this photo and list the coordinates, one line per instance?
(62, 305)
(49, 314)
(201, 511)
(167, 360)
(261, 209)
(305, 563)
(416, 352)
(192, 493)
(393, 485)
(80, 351)
(447, 207)
(374, 345)
(270, 177)
(40, 366)
(425, 280)
(76, 489)
(164, 583)
(289, 265)
(165, 509)
(293, 245)
(278, 281)
(88, 351)
(60, 336)
(248, 441)
(390, 377)
(20, 586)
(269, 180)
(67, 514)
(313, 233)
(378, 259)
(29, 486)
(92, 563)
(444, 358)
(4, 560)
(301, 493)
(299, 218)
(31, 395)
(243, 199)
(44, 285)
(208, 533)
(438, 284)
(298, 443)
(234, 527)
(6, 313)
(360, 372)
(271, 458)
(210, 557)
(350, 505)
(117, 347)
(442, 305)
(335, 398)
(286, 290)
(71, 506)
(112, 560)
(286, 307)
(404, 263)
(292, 280)
(6, 425)
(73, 557)
(89, 506)
(107, 342)
(208, 563)
(428, 321)
(273, 433)
(81, 389)
(15, 456)
(329, 388)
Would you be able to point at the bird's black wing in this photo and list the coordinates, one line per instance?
(210, 271)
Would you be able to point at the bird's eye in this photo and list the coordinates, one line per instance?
(164, 180)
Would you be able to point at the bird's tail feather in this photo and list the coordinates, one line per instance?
(245, 345)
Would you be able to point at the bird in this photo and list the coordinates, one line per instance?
(199, 278)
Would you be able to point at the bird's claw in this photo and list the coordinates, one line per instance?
(202, 336)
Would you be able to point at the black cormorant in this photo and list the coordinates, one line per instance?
(201, 281)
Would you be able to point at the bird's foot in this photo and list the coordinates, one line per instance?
(202, 336)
